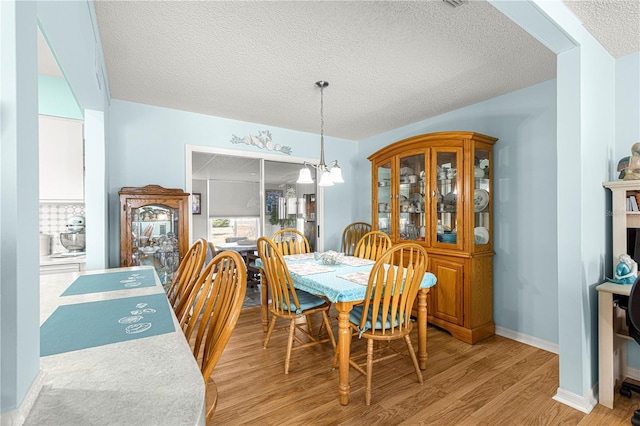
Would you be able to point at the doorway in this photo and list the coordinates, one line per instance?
(61, 166)
(248, 195)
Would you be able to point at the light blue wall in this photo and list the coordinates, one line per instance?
(627, 133)
(56, 98)
(627, 104)
(586, 135)
(147, 146)
(69, 28)
(20, 301)
(525, 294)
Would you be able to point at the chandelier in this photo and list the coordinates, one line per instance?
(328, 175)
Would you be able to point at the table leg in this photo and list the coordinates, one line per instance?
(264, 299)
(344, 349)
(422, 327)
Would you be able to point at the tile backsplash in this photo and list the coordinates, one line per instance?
(53, 221)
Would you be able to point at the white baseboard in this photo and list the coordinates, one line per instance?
(581, 403)
(631, 373)
(528, 340)
(19, 415)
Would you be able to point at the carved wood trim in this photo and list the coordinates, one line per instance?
(152, 190)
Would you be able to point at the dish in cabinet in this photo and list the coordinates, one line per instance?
(481, 235)
(449, 202)
(480, 199)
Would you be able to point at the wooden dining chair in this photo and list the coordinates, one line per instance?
(185, 277)
(372, 245)
(392, 288)
(351, 235)
(290, 304)
(216, 299)
(291, 241)
(211, 252)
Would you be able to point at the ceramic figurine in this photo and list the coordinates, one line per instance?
(626, 270)
(633, 169)
(622, 166)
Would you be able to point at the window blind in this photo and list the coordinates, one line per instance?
(234, 199)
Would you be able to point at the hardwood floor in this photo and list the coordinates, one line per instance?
(495, 382)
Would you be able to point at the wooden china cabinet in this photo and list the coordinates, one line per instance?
(435, 189)
(154, 228)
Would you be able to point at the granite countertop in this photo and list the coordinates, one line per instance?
(151, 380)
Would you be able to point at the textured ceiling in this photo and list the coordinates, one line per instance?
(614, 23)
(389, 63)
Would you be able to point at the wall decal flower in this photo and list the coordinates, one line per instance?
(261, 140)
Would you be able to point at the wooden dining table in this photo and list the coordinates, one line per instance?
(113, 352)
(344, 284)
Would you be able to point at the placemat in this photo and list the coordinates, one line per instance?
(110, 281)
(301, 256)
(355, 261)
(85, 325)
(361, 278)
(308, 268)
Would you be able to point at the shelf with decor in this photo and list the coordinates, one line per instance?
(440, 197)
(612, 327)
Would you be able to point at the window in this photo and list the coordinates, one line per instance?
(229, 227)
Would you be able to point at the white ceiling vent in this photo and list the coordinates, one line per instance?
(456, 3)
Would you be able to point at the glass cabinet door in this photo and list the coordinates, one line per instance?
(384, 198)
(481, 198)
(447, 220)
(155, 239)
(411, 198)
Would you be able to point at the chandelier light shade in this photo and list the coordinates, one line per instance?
(305, 176)
(327, 175)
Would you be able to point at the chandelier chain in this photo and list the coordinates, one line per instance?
(322, 84)
(321, 111)
(326, 176)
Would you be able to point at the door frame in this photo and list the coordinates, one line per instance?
(263, 156)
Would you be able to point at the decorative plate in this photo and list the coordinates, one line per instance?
(481, 235)
(480, 199)
(449, 202)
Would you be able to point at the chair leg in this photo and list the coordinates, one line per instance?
(327, 324)
(272, 325)
(413, 358)
(211, 411)
(287, 360)
(309, 324)
(367, 390)
(322, 325)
